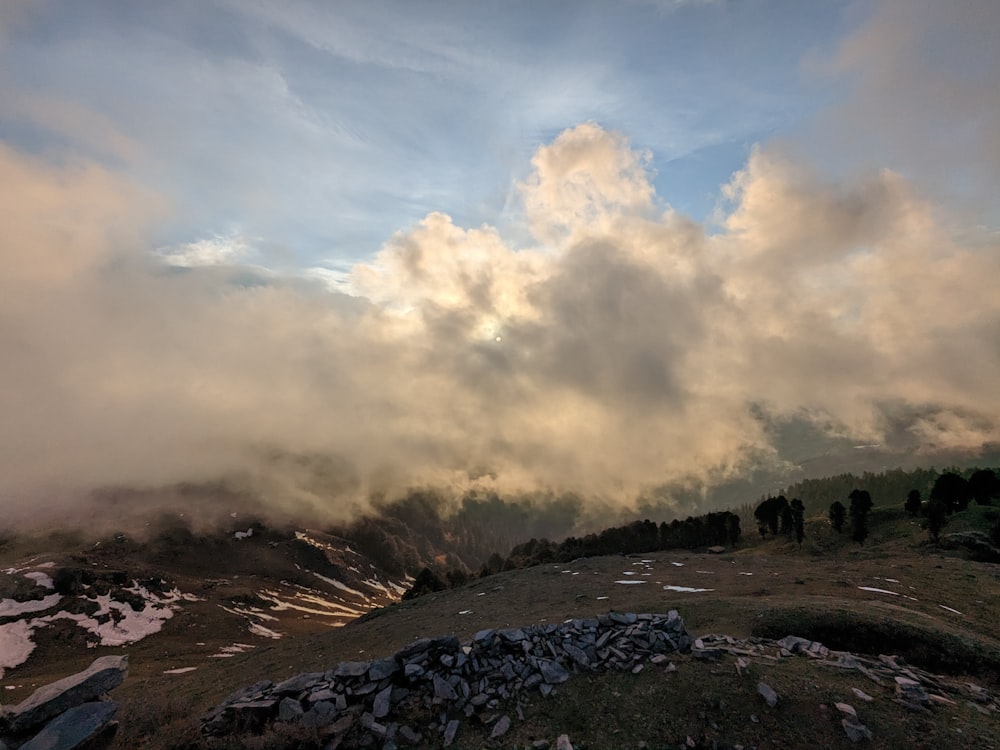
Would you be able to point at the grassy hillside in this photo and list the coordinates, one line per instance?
(897, 594)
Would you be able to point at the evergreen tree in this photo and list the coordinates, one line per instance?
(787, 521)
(798, 519)
(937, 518)
(913, 502)
(861, 504)
(953, 490)
(984, 486)
(837, 515)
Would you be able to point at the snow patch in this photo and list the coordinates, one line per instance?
(12, 608)
(15, 644)
(228, 652)
(42, 579)
(257, 629)
(340, 585)
(179, 670)
(684, 589)
(630, 582)
(878, 591)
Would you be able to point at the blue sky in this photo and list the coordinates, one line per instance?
(322, 128)
(512, 245)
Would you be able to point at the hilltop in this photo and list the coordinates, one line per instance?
(897, 595)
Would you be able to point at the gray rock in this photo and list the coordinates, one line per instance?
(351, 669)
(297, 684)
(289, 710)
(417, 648)
(846, 708)
(375, 727)
(855, 732)
(104, 674)
(793, 643)
(483, 636)
(320, 715)
(450, 730)
(382, 668)
(74, 727)
(576, 654)
(382, 702)
(552, 672)
(443, 690)
(500, 728)
(767, 692)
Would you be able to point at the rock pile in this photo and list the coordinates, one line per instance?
(371, 700)
(911, 687)
(65, 714)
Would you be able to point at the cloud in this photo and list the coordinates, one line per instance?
(919, 98)
(623, 346)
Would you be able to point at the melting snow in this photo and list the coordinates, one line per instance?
(341, 585)
(10, 607)
(179, 670)
(15, 644)
(313, 604)
(118, 625)
(878, 591)
(227, 652)
(677, 564)
(949, 609)
(627, 582)
(601, 598)
(257, 629)
(684, 589)
(42, 579)
(465, 612)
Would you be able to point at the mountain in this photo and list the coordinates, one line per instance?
(253, 585)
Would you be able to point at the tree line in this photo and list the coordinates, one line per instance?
(639, 537)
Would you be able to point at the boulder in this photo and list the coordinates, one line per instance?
(74, 728)
(768, 694)
(104, 674)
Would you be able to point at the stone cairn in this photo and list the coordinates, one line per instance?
(66, 714)
(366, 702)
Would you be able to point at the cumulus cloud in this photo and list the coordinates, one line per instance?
(628, 347)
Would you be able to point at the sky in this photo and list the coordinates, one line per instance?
(569, 245)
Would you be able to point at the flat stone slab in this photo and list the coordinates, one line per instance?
(104, 674)
(74, 728)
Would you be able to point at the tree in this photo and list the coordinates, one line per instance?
(768, 514)
(953, 490)
(861, 504)
(984, 486)
(798, 519)
(913, 502)
(937, 517)
(787, 521)
(837, 515)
